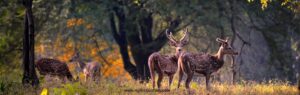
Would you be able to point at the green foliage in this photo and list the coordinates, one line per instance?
(290, 4)
(70, 89)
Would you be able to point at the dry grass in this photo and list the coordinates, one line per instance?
(115, 87)
(130, 87)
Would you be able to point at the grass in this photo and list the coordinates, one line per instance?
(131, 87)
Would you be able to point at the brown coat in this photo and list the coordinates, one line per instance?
(200, 63)
(167, 64)
(47, 66)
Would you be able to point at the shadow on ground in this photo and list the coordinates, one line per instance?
(147, 90)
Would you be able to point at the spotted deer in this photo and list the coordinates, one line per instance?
(166, 64)
(47, 66)
(90, 69)
(202, 63)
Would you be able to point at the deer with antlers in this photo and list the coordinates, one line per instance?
(166, 64)
(202, 63)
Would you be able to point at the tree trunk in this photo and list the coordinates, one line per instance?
(121, 40)
(141, 60)
(299, 84)
(29, 76)
(136, 32)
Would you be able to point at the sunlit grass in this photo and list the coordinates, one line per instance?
(131, 87)
(117, 87)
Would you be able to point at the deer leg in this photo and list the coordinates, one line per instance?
(93, 78)
(152, 73)
(170, 80)
(188, 80)
(207, 77)
(97, 77)
(153, 81)
(160, 77)
(63, 78)
(85, 77)
(180, 77)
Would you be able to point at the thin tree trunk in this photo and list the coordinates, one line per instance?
(232, 18)
(299, 84)
(26, 75)
(29, 76)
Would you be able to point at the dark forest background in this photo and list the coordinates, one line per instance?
(121, 34)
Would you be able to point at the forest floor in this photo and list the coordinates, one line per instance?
(130, 87)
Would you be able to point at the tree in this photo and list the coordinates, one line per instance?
(299, 84)
(133, 32)
(29, 76)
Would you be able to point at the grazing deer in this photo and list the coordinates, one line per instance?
(47, 66)
(90, 69)
(166, 64)
(203, 63)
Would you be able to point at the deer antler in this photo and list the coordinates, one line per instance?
(221, 40)
(184, 39)
(170, 36)
(227, 39)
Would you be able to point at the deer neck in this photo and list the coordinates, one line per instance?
(177, 54)
(81, 65)
(220, 55)
(218, 59)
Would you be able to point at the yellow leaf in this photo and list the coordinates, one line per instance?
(63, 93)
(89, 26)
(79, 21)
(44, 91)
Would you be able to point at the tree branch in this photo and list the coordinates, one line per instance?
(114, 28)
(101, 56)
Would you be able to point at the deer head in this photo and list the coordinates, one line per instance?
(225, 48)
(76, 59)
(177, 44)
